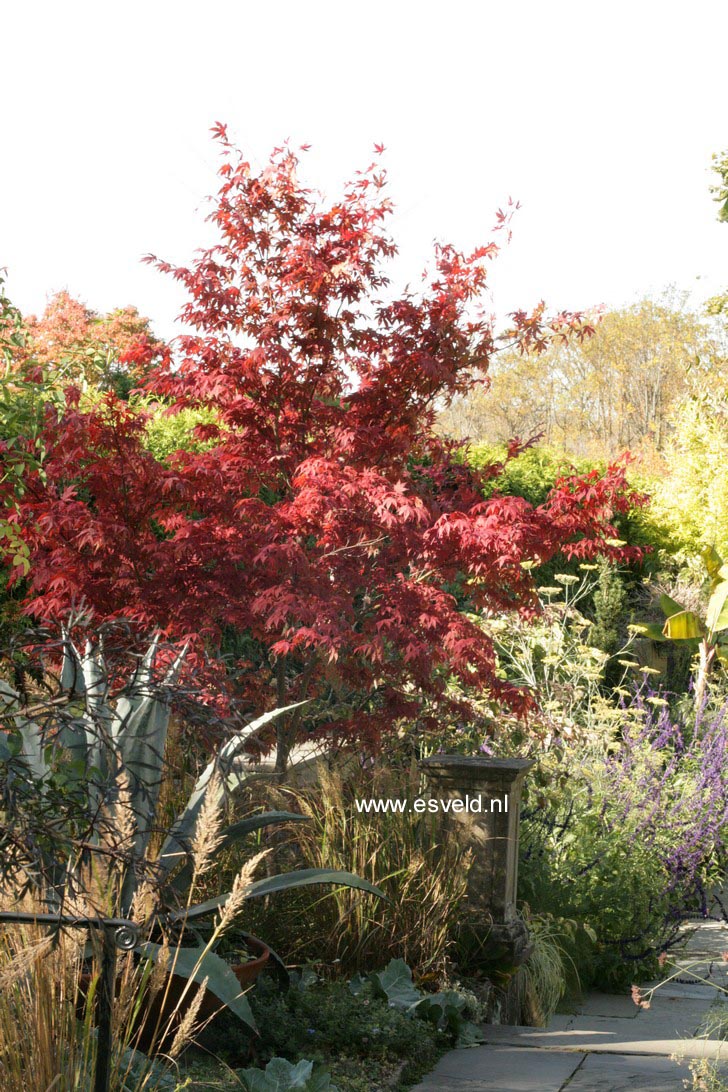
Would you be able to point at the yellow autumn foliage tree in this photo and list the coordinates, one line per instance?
(615, 391)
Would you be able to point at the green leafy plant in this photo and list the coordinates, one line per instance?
(555, 655)
(284, 1076)
(356, 1037)
(445, 1010)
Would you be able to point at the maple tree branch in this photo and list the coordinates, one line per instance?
(354, 546)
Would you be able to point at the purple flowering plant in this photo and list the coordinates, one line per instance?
(636, 838)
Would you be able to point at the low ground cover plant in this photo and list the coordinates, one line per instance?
(380, 1025)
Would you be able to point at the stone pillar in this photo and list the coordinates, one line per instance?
(484, 797)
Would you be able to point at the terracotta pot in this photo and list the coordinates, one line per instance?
(169, 1005)
(246, 974)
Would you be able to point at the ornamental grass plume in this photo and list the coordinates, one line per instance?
(48, 1037)
(189, 1023)
(239, 892)
(424, 878)
(207, 837)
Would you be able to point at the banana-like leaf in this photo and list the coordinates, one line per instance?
(285, 881)
(716, 618)
(198, 965)
(683, 626)
(713, 561)
(669, 606)
(176, 845)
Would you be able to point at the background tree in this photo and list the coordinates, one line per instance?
(614, 391)
(111, 351)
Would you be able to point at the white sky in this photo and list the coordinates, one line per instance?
(600, 118)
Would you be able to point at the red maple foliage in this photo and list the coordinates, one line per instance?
(324, 519)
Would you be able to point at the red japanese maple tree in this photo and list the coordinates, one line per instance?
(324, 519)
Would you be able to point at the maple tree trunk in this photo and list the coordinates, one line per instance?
(283, 732)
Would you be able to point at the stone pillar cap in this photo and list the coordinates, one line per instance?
(507, 769)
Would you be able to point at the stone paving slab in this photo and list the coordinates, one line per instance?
(501, 1069)
(707, 936)
(609, 1045)
(618, 1005)
(668, 1017)
(599, 1035)
(625, 1073)
(691, 991)
(713, 970)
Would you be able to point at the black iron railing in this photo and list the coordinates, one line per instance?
(116, 933)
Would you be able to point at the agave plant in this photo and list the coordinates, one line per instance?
(115, 752)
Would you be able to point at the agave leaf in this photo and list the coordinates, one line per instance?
(239, 830)
(716, 618)
(71, 669)
(303, 877)
(683, 626)
(31, 734)
(33, 751)
(198, 965)
(176, 845)
(234, 833)
(33, 748)
(285, 881)
(95, 677)
(98, 718)
(139, 733)
(87, 735)
(8, 697)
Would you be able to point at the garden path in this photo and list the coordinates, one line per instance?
(609, 1045)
